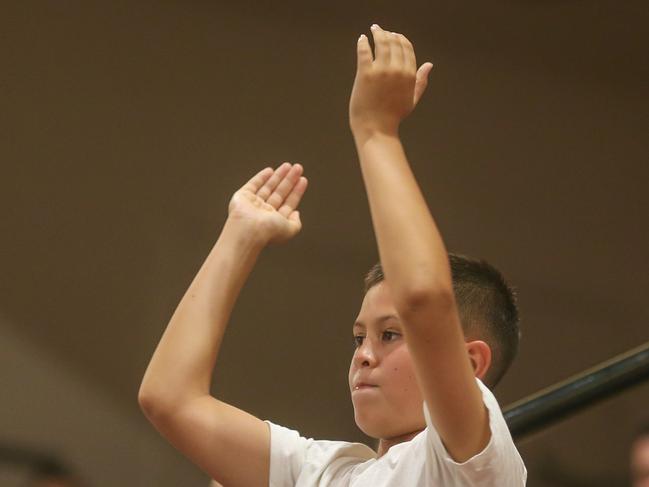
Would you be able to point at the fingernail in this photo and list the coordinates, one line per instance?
(375, 26)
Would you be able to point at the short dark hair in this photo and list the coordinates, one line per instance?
(487, 307)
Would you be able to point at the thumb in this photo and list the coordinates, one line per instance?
(295, 217)
(421, 81)
(364, 56)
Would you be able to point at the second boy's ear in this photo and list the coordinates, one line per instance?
(480, 357)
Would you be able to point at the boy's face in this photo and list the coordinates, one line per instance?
(392, 406)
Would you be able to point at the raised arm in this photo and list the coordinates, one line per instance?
(230, 445)
(387, 87)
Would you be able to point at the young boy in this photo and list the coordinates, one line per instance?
(413, 375)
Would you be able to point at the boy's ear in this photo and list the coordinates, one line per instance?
(480, 356)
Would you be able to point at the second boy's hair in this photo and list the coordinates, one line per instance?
(487, 307)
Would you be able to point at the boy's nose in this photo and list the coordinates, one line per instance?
(366, 355)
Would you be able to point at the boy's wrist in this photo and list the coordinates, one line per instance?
(244, 234)
(363, 133)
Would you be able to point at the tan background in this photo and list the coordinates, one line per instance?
(125, 127)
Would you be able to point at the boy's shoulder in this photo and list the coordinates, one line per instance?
(499, 456)
(297, 461)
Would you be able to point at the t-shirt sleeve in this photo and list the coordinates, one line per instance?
(499, 464)
(287, 455)
(296, 460)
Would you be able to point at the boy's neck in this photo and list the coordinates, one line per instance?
(386, 443)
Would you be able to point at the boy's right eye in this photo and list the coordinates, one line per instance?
(358, 340)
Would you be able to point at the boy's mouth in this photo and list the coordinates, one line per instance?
(362, 385)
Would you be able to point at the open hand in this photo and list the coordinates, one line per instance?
(267, 203)
(388, 84)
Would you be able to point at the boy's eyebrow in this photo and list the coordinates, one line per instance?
(378, 321)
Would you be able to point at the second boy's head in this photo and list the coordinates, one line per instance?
(489, 317)
(640, 458)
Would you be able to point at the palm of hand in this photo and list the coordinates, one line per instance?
(268, 203)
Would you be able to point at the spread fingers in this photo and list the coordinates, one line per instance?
(271, 183)
(294, 197)
(285, 186)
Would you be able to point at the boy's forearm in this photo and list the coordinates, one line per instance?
(386, 89)
(181, 367)
(410, 247)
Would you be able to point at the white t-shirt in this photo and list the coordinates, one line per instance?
(296, 461)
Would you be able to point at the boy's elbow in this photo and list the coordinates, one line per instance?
(162, 407)
(154, 405)
(148, 402)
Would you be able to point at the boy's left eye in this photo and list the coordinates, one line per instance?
(390, 335)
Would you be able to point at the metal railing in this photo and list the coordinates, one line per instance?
(578, 392)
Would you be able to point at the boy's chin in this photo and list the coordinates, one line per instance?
(378, 426)
(369, 431)
(372, 427)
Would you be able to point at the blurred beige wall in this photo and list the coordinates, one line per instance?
(47, 405)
